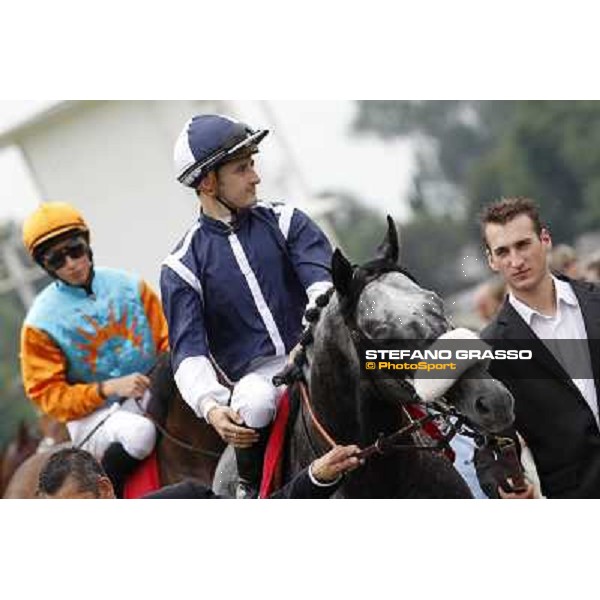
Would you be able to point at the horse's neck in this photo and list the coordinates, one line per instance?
(334, 378)
(392, 476)
(176, 462)
(352, 412)
(346, 406)
(378, 415)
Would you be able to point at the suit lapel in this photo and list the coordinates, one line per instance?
(589, 303)
(518, 331)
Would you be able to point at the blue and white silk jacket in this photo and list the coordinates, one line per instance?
(233, 295)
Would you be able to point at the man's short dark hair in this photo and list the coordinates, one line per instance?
(78, 464)
(504, 210)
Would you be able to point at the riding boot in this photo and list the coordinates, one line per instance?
(250, 466)
(118, 465)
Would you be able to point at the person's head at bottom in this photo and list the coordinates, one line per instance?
(73, 473)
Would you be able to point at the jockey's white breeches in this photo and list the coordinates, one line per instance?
(124, 424)
(254, 396)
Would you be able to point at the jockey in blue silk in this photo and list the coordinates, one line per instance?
(88, 341)
(235, 288)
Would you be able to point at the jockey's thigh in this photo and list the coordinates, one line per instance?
(126, 425)
(255, 397)
(133, 430)
(80, 429)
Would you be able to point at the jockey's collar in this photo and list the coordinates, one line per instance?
(223, 227)
(87, 289)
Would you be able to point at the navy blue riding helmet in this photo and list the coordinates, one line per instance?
(207, 142)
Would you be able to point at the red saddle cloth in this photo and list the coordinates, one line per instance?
(271, 475)
(144, 479)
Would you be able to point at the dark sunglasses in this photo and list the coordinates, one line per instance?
(56, 259)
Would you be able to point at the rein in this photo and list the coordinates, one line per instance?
(174, 439)
(113, 408)
(318, 426)
(387, 444)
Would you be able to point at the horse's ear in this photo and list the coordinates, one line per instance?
(389, 249)
(341, 271)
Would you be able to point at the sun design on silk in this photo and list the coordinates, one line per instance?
(115, 331)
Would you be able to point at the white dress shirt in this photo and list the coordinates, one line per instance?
(566, 324)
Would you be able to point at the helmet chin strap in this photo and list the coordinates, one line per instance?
(233, 211)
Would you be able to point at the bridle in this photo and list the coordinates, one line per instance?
(388, 444)
(437, 410)
(502, 450)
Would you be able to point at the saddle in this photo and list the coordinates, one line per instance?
(144, 479)
(272, 475)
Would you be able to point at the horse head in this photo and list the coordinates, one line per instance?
(380, 301)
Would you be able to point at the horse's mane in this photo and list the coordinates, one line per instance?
(312, 316)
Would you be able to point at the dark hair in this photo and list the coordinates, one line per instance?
(506, 209)
(70, 462)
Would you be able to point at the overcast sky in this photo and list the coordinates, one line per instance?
(317, 132)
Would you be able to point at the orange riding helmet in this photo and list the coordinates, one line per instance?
(51, 220)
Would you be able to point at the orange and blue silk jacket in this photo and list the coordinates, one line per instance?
(72, 339)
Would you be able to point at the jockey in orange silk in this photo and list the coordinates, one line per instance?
(88, 341)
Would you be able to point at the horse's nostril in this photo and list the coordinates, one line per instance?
(482, 407)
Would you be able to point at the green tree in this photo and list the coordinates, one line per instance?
(471, 152)
(551, 152)
(449, 136)
(14, 407)
(359, 228)
(430, 250)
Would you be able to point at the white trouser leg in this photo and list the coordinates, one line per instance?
(255, 397)
(125, 425)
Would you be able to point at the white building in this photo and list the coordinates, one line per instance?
(113, 160)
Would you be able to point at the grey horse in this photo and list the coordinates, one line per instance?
(379, 301)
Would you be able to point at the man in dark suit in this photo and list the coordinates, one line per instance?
(556, 403)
